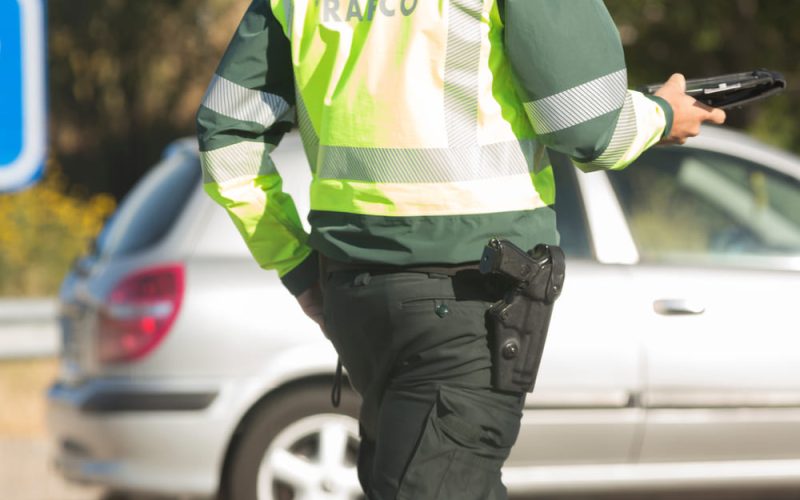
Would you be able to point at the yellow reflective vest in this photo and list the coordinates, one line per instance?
(425, 124)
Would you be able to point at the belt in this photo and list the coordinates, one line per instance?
(468, 282)
(332, 266)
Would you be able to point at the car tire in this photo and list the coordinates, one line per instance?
(295, 444)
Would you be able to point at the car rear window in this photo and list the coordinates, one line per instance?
(149, 210)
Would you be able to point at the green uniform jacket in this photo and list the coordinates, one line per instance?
(425, 123)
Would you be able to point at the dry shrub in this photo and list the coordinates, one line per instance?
(43, 230)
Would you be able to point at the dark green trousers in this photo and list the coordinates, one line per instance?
(415, 347)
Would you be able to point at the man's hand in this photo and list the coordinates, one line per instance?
(311, 303)
(687, 112)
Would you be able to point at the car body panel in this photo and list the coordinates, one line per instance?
(141, 451)
(737, 361)
(578, 412)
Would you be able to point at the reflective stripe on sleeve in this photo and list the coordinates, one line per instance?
(234, 101)
(622, 138)
(504, 194)
(578, 104)
(237, 160)
(640, 125)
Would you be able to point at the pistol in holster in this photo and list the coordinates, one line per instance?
(518, 323)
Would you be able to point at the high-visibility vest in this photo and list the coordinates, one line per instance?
(424, 135)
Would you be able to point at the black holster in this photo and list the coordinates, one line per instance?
(519, 322)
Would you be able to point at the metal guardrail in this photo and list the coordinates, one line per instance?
(29, 328)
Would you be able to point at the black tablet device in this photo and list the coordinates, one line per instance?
(731, 91)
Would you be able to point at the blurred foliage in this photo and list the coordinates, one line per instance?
(44, 229)
(712, 37)
(126, 78)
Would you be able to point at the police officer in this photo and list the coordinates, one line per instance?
(425, 124)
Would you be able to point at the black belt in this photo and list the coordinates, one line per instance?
(332, 266)
(468, 282)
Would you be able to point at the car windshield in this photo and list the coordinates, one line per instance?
(148, 211)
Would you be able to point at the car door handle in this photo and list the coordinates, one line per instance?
(672, 307)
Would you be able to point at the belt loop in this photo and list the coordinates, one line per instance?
(323, 270)
(336, 390)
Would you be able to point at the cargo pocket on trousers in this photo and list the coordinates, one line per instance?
(451, 460)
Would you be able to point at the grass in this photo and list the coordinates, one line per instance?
(23, 384)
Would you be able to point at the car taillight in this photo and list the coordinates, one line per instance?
(139, 312)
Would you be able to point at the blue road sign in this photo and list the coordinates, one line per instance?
(23, 121)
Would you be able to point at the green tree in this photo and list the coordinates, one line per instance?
(126, 77)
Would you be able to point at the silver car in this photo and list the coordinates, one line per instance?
(673, 358)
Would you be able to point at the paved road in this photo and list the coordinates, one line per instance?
(26, 473)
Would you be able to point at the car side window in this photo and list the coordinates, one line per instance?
(689, 204)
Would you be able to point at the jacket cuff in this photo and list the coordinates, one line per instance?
(302, 277)
(667, 112)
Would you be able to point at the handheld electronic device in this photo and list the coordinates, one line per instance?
(733, 90)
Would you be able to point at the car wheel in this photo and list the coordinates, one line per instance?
(297, 446)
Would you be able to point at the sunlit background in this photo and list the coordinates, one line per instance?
(125, 80)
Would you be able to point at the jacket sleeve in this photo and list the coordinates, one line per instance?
(247, 109)
(570, 70)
